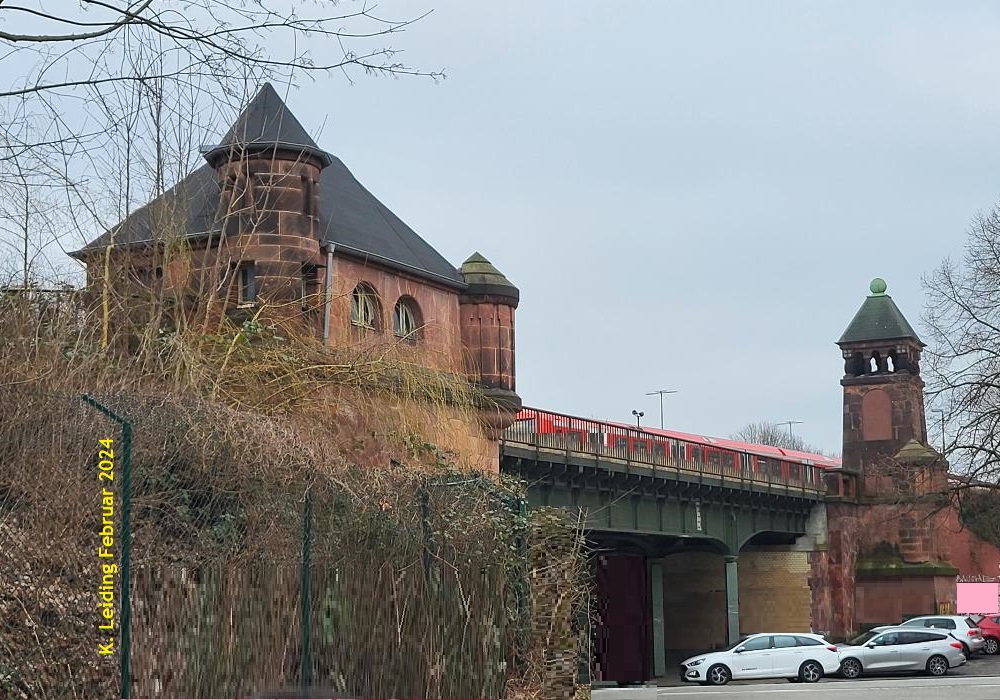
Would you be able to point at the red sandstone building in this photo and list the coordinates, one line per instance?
(895, 544)
(274, 229)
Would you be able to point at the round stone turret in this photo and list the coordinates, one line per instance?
(269, 171)
(487, 322)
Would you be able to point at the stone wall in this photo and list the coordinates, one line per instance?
(832, 572)
(971, 555)
(439, 342)
(694, 601)
(890, 600)
(774, 591)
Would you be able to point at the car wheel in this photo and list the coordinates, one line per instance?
(991, 646)
(719, 675)
(810, 672)
(851, 668)
(937, 665)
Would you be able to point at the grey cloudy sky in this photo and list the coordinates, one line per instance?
(690, 195)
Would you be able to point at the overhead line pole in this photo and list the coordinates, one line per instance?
(790, 423)
(661, 392)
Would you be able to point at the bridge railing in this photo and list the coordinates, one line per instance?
(565, 433)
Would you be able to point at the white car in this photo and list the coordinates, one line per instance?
(795, 656)
(901, 649)
(963, 627)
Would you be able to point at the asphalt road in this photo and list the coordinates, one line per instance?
(977, 680)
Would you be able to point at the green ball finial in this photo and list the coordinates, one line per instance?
(877, 286)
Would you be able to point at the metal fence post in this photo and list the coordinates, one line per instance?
(430, 549)
(126, 603)
(305, 672)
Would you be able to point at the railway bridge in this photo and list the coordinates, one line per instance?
(690, 552)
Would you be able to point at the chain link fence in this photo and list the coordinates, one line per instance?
(259, 563)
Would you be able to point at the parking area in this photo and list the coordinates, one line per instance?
(979, 679)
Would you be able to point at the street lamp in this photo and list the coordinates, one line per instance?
(661, 392)
(790, 423)
(638, 415)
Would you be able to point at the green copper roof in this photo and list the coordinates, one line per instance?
(878, 319)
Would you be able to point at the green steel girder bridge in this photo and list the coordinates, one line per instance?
(625, 487)
(644, 494)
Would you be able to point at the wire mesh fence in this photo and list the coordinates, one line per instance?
(259, 563)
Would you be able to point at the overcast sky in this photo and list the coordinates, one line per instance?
(690, 195)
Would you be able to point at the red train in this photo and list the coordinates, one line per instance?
(670, 448)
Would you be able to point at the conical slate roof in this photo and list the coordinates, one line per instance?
(350, 217)
(266, 123)
(878, 319)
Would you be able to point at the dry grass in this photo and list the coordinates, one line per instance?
(413, 555)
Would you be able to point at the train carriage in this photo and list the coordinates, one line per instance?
(671, 448)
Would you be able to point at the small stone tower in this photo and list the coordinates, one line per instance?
(883, 390)
(886, 560)
(269, 170)
(487, 325)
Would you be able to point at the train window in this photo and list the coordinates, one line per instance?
(713, 457)
(659, 449)
(795, 471)
(762, 466)
(696, 454)
(621, 443)
(639, 445)
(677, 450)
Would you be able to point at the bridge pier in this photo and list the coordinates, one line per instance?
(659, 664)
(732, 599)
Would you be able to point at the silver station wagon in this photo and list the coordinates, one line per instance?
(901, 649)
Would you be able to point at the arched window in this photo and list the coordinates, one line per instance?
(406, 320)
(365, 308)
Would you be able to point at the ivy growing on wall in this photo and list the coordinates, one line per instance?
(980, 512)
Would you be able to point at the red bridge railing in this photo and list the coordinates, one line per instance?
(618, 443)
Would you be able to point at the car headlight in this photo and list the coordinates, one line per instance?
(696, 663)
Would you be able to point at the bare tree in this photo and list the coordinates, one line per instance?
(101, 100)
(962, 362)
(767, 433)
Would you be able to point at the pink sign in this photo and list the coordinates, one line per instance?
(982, 598)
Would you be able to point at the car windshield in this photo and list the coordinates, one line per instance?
(733, 646)
(863, 639)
